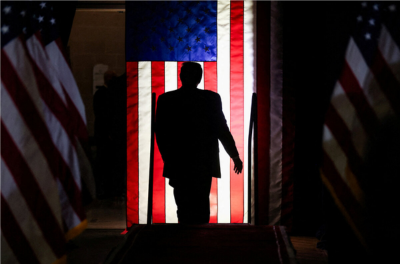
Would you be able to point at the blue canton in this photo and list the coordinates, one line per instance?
(171, 31)
(371, 18)
(26, 18)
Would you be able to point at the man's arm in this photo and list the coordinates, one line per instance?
(226, 138)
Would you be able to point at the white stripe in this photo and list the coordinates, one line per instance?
(201, 84)
(171, 84)
(275, 190)
(144, 120)
(347, 112)
(18, 58)
(38, 54)
(63, 143)
(339, 158)
(7, 255)
(65, 76)
(376, 99)
(24, 218)
(223, 73)
(171, 73)
(37, 162)
(248, 56)
(390, 51)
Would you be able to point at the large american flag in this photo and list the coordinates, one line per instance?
(366, 93)
(160, 37)
(43, 137)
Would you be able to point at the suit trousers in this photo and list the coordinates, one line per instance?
(192, 197)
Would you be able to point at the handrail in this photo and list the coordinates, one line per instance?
(252, 126)
(150, 197)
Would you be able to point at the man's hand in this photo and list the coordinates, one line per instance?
(238, 165)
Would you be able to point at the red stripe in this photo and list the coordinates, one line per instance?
(356, 96)
(15, 237)
(132, 140)
(263, 110)
(387, 81)
(54, 101)
(237, 107)
(158, 87)
(210, 83)
(344, 138)
(31, 192)
(40, 132)
(210, 76)
(179, 65)
(81, 129)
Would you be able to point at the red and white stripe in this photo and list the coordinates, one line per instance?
(40, 165)
(232, 76)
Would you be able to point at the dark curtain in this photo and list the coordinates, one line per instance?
(315, 37)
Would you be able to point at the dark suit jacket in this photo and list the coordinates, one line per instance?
(189, 123)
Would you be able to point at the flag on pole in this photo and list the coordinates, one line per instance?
(160, 37)
(43, 136)
(366, 93)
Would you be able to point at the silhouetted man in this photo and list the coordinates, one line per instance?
(189, 123)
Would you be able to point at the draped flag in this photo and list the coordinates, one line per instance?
(43, 137)
(365, 95)
(160, 37)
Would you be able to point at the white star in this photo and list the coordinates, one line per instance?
(7, 9)
(367, 36)
(372, 22)
(5, 29)
(364, 4)
(52, 21)
(40, 19)
(42, 5)
(376, 7)
(23, 13)
(359, 18)
(392, 8)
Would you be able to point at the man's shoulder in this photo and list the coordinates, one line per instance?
(210, 94)
(168, 96)
(176, 94)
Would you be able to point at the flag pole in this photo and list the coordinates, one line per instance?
(150, 197)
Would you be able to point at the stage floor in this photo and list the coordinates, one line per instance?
(212, 243)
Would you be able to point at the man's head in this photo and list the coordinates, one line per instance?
(108, 76)
(191, 73)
